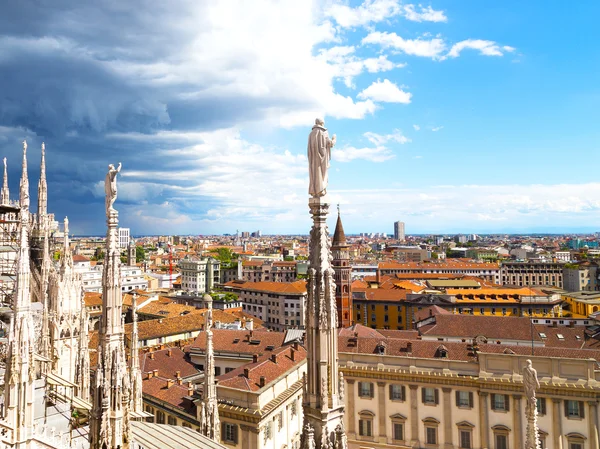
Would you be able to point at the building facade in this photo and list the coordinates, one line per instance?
(199, 275)
(533, 274)
(279, 304)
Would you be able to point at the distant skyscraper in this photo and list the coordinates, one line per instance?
(399, 230)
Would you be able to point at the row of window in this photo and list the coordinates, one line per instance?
(464, 399)
(465, 433)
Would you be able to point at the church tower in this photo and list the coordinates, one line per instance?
(324, 388)
(20, 368)
(342, 276)
(131, 254)
(111, 388)
(209, 408)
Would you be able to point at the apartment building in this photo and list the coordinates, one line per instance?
(533, 274)
(199, 274)
(267, 271)
(487, 271)
(280, 305)
(581, 277)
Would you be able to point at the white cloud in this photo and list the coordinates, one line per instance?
(417, 157)
(371, 11)
(385, 91)
(379, 139)
(427, 14)
(437, 128)
(429, 48)
(376, 154)
(416, 127)
(346, 65)
(486, 48)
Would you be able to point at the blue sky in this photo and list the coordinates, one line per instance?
(451, 116)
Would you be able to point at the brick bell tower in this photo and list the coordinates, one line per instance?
(342, 276)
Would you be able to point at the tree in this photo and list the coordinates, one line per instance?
(140, 254)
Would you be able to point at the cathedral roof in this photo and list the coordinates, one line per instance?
(339, 238)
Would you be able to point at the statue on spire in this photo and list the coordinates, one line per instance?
(110, 188)
(5, 192)
(319, 155)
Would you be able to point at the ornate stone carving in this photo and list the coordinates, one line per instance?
(319, 155)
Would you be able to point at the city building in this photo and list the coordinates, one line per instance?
(399, 231)
(460, 395)
(581, 277)
(199, 274)
(533, 274)
(280, 305)
(487, 271)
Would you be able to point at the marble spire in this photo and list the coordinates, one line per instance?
(42, 209)
(5, 196)
(64, 301)
(20, 368)
(323, 399)
(111, 388)
(137, 406)
(209, 416)
(82, 367)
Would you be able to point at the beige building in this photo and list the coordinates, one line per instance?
(532, 274)
(428, 394)
(280, 305)
(580, 277)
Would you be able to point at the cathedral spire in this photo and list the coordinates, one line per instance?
(66, 261)
(109, 424)
(42, 209)
(323, 393)
(209, 415)
(20, 369)
(137, 407)
(24, 185)
(5, 198)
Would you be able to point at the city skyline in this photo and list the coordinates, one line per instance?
(457, 118)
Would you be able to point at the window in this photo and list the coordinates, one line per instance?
(541, 406)
(430, 435)
(172, 420)
(481, 311)
(217, 370)
(365, 424)
(464, 399)
(279, 421)
(430, 396)
(267, 432)
(160, 417)
(500, 437)
(293, 408)
(574, 409)
(397, 392)
(465, 439)
(398, 429)
(366, 389)
(465, 435)
(186, 424)
(500, 402)
(575, 441)
(501, 441)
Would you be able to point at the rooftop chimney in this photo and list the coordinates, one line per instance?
(169, 352)
(571, 323)
(190, 389)
(254, 358)
(179, 381)
(292, 354)
(296, 345)
(150, 373)
(170, 383)
(177, 373)
(151, 355)
(262, 382)
(274, 358)
(409, 347)
(250, 324)
(246, 373)
(155, 373)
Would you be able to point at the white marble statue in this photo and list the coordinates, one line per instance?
(530, 383)
(319, 155)
(110, 187)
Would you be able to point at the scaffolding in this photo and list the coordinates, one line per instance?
(9, 249)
